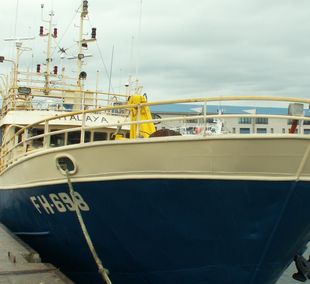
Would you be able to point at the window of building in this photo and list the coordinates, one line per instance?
(296, 130)
(245, 120)
(261, 130)
(290, 121)
(306, 131)
(261, 120)
(244, 130)
(307, 122)
(271, 130)
(191, 121)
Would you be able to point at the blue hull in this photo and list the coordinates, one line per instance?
(167, 231)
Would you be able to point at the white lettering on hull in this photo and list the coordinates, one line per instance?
(58, 203)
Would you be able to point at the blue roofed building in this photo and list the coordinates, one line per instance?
(237, 125)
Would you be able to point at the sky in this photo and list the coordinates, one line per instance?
(176, 48)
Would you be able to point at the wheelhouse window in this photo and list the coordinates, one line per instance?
(19, 135)
(87, 137)
(100, 136)
(37, 142)
(74, 137)
(57, 140)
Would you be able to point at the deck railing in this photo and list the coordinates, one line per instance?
(60, 100)
(22, 143)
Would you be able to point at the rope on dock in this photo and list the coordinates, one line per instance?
(102, 271)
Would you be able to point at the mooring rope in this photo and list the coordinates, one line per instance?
(102, 271)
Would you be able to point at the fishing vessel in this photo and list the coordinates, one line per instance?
(106, 192)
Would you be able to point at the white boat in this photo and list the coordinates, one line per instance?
(94, 186)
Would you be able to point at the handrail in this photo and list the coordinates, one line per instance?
(145, 121)
(9, 145)
(13, 101)
(230, 98)
(227, 98)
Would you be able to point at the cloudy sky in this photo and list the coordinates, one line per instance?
(184, 48)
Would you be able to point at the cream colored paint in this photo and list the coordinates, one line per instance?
(224, 157)
(28, 117)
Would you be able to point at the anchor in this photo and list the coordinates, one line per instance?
(303, 268)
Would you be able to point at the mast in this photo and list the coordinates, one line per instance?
(80, 57)
(48, 53)
(49, 35)
(80, 100)
(19, 50)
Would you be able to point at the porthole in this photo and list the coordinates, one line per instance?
(64, 163)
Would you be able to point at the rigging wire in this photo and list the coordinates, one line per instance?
(111, 69)
(135, 54)
(104, 65)
(66, 30)
(101, 57)
(131, 58)
(139, 39)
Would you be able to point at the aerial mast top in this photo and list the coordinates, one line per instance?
(49, 35)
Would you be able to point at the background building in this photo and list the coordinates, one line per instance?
(240, 125)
